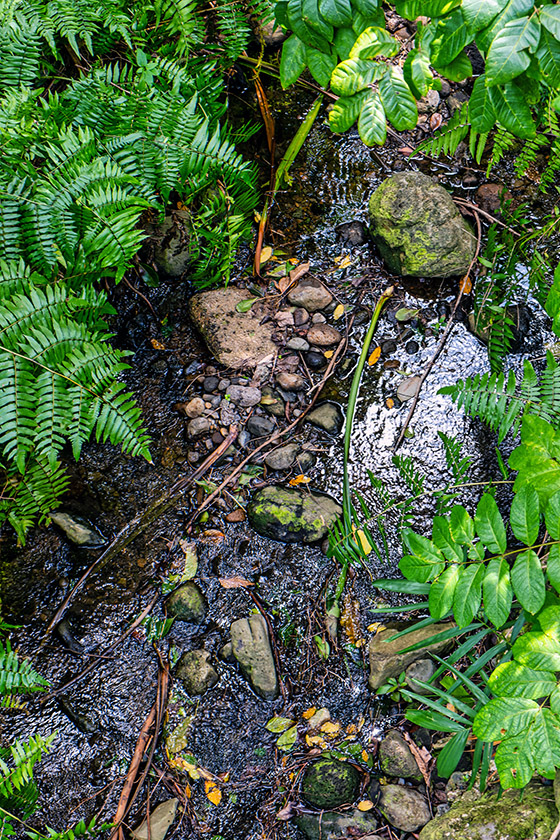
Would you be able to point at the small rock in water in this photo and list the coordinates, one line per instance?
(323, 335)
(272, 402)
(422, 670)
(412, 347)
(194, 408)
(310, 294)
(297, 343)
(395, 757)
(355, 233)
(288, 514)
(328, 783)
(282, 458)
(405, 808)
(327, 416)
(329, 825)
(198, 426)
(197, 673)
(408, 388)
(78, 530)
(210, 384)
(161, 819)
(305, 461)
(244, 395)
(260, 426)
(251, 647)
(291, 381)
(315, 360)
(388, 347)
(237, 515)
(386, 659)
(187, 603)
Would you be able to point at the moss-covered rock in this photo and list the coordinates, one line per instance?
(418, 229)
(332, 826)
(328, 783)
(292, 515)
(197, 672)
(517, 815)
(187, 603)
(405, 808)
(395, 757)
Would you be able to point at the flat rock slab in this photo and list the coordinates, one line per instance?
(235, 339)
(251, 647)
(292, 515)
(517, 815)
(386, 659)
(418, 229)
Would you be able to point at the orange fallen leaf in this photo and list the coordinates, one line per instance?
(235, 582)
(188, 791)
(309, 713)
(435, 121)
(365, 756)
(338, 312)
(329, 354)
(466, 285)
(365, 805)
(330, 728)
(390, 403)
(212, 536)
(299, 479)
(374, 357)
(213, 792)
(157, 345)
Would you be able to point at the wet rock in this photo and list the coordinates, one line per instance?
(386, 659)
(197, 673)
(78, 530)
(260, 426)
(323, 335)
(85, 719)
(194, 408)
(456, 101)
(305, 461)
(328, 783)
(171, 240)
(332, 826)
(422, 670)
(395, 757)
(243, 395)
(418, 229)
(521, 316)
(445, 88)
(228, 413)
(428, 103)
(292, 515)
(408, 388)
(210, 384)
(297, 343)
(318, 318)
(237, 515)
(310, 294)
(412, 347)
(187, 603)
(405, 808)
(282, 458)
(327, 416)
(198, 426)
(271, 33)
(388, 347)
(320, 717)
(236, 339)
(315, 360)
(485, 817)
(65, 632)
(251, 647)
(160, 821)
(301, 316)
(272, 402)
(291, 381)
(354, 233)
(490, 197)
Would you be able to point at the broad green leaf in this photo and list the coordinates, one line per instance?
(480, 13)
(511, 10)
(507, 56)
(422, 546)
(405, 586)
(315, 20)
(368, 8)
(412, 9)
(336, 12)
(353, 75)
(398, 101)
(374, 41)
(525, 515)
(344, 41)
(552, 516)
(451, 754)
(555, 700)
(293, 61)
(442, 590)
(279, 724)
(459, 69)
(481, 110)
(372, 125)
(512, 110)
(489, 525)
(417, 73)
(536, 458)
(537, 650)
(550, 19)
(467, 595)
(553, 566)
(504, 717)
(346, 111)
(287, 740)
(510, 679)
(320, 66)
(451, 37)
(309, 36)
(461, 525)
(527, 579)
(545, 740)
(515, 762)
(441, 537)
(419, 568)
(497, 592)
(362, 22)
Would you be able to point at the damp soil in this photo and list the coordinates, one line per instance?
(98, 718)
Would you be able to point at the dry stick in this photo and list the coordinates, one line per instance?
(138, 524)
(449, 326)
(134, 765)
(556, 833)
(477, 210)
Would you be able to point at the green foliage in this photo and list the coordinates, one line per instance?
(16, 676)
(520, 43)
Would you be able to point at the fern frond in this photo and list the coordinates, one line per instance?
(503, 142)
(17, 677)
(22, 755)
(447, 138)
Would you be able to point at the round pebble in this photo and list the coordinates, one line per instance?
(323, 335)
(210, 384)
(388, 347)
(412, 347)
(315, 360)
(194, 408)
(291, 381)
(297, 343)
(260, 426)
(244, 395)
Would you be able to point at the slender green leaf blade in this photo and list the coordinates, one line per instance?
(481, 111)
(451, 754)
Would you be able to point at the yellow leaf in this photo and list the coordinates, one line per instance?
(351, 729)
(309, 713)
(342, 262)
(365, 805)
(213, 792)
(188, 791)
(364, 542)
(299, 479)
(316, 741)
(157, 345)
(338, 312)
(374, 357)
(466, 285)
(257, 216)
(330, 728)
(279, 724)
(390, 403)
(365, 756)
(266, 254)
(329, 354)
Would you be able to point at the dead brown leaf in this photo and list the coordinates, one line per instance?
(235, 582)
(300, 271)
(212, 536)
(422, 757)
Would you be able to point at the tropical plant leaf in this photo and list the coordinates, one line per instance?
(497, 591)
(398, 101)
(372, 126)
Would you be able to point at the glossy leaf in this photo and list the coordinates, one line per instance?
(398, 101)
(419, 569)
(545, 742)
(489, 525)
(538, 650)
(372, 125)
(309, 36)
(481, 111)
(442, 591)
(293, 61)
(527, 579)
(451, 37)
(412, 9)
(550, 19)
(434, 720)
(368, 8)
(497, 592)
(548, 56)
(374, 41)
(512, 110)
(417, 73)
(320, 66)
(511, 679)
(504, 717)
(515, 762)
(344, 41)
(346, 111)
(552, 516)
(353, 75)
(480, 13)
(468, 593)
(315, 20)
(459, 69)
(461, 524)
(553, 566)
(508, 55)
(336, 12)
(511, 10)
(441, 537)
(525, 515)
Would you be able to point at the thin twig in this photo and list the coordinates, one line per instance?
(441, 344)
(476, 209)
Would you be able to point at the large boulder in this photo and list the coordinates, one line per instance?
(236, 339)
(288, 514)
(516, 815)
(387, 659)
(418, 229)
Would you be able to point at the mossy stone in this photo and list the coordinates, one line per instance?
(292, 515)
(328, 783)
(395, 757)
(187, 603)
(196, 671)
